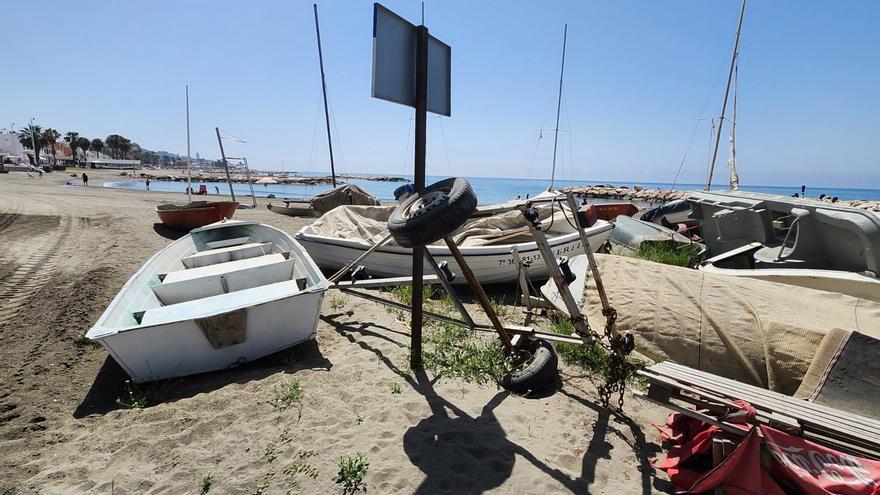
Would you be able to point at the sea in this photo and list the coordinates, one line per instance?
(489, 190)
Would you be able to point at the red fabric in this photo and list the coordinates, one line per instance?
(811, 468)
(818, 470)
(740, 473)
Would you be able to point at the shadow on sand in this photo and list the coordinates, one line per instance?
(167, 232)
(469, 455)
(111, 388)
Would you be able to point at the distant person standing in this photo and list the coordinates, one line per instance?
(148, 183)
(85, 178)
(803, 190)
(216, 190)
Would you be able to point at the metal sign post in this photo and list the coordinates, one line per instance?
(412, 68)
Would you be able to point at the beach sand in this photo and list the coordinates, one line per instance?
(66, 251)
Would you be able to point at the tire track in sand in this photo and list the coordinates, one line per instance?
(32, 273)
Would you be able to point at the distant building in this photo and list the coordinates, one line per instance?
(114, 164)
(9, 144)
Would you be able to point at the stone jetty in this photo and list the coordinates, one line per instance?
(640, 194)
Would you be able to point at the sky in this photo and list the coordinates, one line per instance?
(639, 77)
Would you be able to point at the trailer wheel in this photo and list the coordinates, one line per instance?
(434, 213)
(538, 373)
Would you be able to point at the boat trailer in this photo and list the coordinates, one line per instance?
(516, 339)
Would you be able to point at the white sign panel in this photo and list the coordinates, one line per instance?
(394, 63)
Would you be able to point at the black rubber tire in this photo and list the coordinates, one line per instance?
(440, 220)
(540, 373)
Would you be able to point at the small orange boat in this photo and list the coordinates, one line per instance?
(196, 214)
(610, 211)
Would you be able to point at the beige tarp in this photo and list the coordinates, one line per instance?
(754, 331)
(343, 195)
(369, 224)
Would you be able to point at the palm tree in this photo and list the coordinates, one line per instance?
(114, 142)
(70, 138)
(83, 144)
(31, 137)
(96, 145)
(50, 137)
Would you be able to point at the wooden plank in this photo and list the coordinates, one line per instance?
(767, 399)
(694, 414)
(715, 379)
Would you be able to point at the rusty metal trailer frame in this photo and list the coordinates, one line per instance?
(510, 335)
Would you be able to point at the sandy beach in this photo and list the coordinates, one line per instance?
(66, 251)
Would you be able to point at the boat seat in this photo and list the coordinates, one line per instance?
(206, 306)
(229, 253)
(235, 241)
(221, 278)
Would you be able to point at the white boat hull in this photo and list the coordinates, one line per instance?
(177, 316)
(490, 264)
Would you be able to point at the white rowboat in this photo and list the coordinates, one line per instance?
(490, 263)
(224, 295)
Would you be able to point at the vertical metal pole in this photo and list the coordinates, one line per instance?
(247, 171)
(726, 93)
(415, 359)
(558, 106)
(189, 162)
(324, 89)
(225, 164)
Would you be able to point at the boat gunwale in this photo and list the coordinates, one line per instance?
(501, 249)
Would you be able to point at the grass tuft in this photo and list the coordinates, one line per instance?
(338, 302)
(456, 352)
(352, 471)
(205, 485)
(667, 253)
(288, 394)
(396, 388)
(136, 398)
(593, 359)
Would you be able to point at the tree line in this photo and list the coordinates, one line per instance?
(38, 139)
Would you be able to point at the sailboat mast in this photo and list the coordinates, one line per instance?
(324, 90)
(731, 162)
(742, 12)
(558, 107)
(188, 156)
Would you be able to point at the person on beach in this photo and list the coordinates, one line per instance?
(216, 190)
(148, 183)
(85, 178)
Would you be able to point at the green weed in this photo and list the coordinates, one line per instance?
(288, 394)
(205, 485)
(136, 397)
(594, 359)
(338, 302)
(396, 388)
(668, 253)
(456, 352)
(352, 471)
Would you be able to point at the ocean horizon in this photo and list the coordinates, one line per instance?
(489, 189)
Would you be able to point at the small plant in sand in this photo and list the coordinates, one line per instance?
(136, 398)
(338, 302)
(456, 352)
(288, 394)
(593, 359)
(498, 306)
(205, 485)
(396, 388)
(265, 483)
(271, 452)
(404, 293)
(81, 340)
(358, 418)
(668, 253)
(352, 471)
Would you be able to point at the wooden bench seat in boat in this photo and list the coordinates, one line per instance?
(199, 308)
(222, 278)
(229, 253)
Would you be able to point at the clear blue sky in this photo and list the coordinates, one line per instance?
(638, 76)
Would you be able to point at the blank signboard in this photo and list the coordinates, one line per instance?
(394, 63)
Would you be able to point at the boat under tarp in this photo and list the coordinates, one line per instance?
(487, 243)
(754, 331)
(222, 296)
